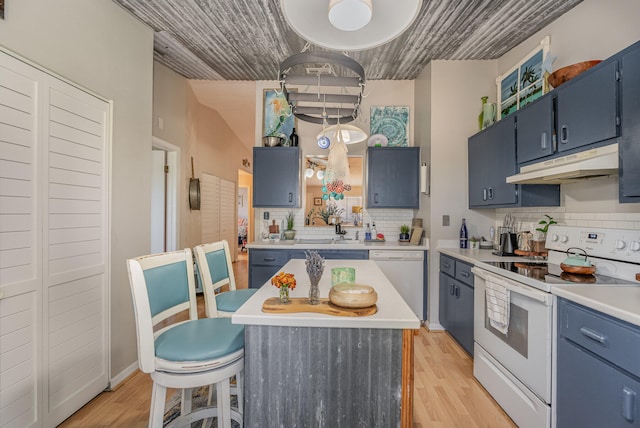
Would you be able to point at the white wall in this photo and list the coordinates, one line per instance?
(455, 91)
(101, 47)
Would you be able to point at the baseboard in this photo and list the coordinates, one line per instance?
(120, 377)
(434, 326)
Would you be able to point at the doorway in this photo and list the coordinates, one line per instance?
(245, 212)
(164, 196)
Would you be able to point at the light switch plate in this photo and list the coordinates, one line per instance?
(445, 220)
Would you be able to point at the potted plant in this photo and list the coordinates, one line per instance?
(473, 243)
(289, 233)
(539, 239)
(404, 232)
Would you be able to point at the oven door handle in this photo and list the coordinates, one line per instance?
(514, 287)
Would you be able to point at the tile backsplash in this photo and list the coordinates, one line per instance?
(526, 216)
(388, 222)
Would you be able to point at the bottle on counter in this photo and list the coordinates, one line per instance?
(293, 138)
(374, 231)
(367, 233)
(464, 235)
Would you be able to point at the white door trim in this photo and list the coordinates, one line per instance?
(173, 191)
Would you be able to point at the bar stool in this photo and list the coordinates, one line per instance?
(184, 354)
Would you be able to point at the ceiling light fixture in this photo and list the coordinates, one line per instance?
(350, 134)
(349, 15)
(345, 27)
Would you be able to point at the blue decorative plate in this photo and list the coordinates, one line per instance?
(323, 142)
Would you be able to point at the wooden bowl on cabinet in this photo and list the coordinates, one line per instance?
(567, 73)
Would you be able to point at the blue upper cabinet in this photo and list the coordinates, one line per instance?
(492, 158)
(276, 177)
(630, 116)
(393, 177)
(535, 133)
(587, 107)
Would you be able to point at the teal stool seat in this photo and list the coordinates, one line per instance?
(200, 340)
(231, 300)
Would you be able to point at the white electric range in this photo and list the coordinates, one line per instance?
(515, 363)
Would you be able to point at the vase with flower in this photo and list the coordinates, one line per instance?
(285, 282)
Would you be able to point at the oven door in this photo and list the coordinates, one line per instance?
(525, 350)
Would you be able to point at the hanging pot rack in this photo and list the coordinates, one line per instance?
(323, 98)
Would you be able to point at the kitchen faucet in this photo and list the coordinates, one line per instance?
(340, 231)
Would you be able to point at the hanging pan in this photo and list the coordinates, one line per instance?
(194, 190)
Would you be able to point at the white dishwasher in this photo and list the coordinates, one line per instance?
(405, 270)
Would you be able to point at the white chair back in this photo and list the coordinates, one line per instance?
(216, 271)
(162, 285)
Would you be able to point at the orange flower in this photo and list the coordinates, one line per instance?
(284, 280)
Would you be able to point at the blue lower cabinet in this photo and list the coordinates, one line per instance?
(596, 361)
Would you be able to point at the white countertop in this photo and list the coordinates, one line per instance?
(343, 245)
(618, 301)
(393, 311)
(621, 302)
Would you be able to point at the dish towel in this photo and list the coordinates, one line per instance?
(498, 303)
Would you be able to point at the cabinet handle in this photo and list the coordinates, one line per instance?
(490, 192)
(457, 291)
(452, 289)
(269, 259)
(446, 265)
(375, 198)
(464, 274)
(290, 197)
(564, 134)
(594, 335)
(543, 140)
(484, 194)
(628, 404)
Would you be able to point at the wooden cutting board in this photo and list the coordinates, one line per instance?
(301, 304)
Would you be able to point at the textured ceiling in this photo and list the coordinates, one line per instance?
(247, 39)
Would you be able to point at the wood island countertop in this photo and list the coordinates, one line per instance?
(393, 312)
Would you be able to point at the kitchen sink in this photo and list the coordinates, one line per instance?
(314, 241)
(346, 241)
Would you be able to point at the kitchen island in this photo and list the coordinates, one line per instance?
(311, 369)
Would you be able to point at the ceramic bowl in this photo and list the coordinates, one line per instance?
(353, 296)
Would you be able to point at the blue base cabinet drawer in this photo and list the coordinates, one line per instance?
(611, 339)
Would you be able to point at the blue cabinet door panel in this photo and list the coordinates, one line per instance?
(535, 133)
(588, 108)
(630, 115)
(393, 177)
(276, 177)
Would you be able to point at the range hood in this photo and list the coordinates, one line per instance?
(598, 162)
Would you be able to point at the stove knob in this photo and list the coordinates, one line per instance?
(620, 244)
(564, 239)
(635, 246)
(554, 237)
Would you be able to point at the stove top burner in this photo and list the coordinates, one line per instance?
(553, 274)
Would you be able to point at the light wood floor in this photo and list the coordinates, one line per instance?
(446, 393)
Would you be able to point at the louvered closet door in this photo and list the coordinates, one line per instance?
(75, 248)
(53, 246)
(228, 217)
(20, 248)
(209, 208)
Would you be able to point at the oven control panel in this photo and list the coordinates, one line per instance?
(616, 244)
